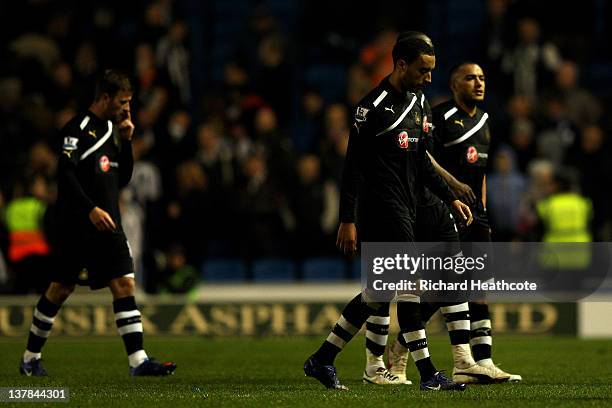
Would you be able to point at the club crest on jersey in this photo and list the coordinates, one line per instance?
(104, 164)
(417, 118)
(471, 155)
(361, 113)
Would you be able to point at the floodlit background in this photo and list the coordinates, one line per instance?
(243, 108)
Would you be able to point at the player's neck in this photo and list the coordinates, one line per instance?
(97, 110)
(470, 109)
(395, 82)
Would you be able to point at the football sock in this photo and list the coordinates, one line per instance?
(377, 332)
(412, 336)
(480, 335)
(42, 322)
(457, 317)
(428, 309)
(129, 324)
(353, 317)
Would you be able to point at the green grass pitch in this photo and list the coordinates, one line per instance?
(557, 372)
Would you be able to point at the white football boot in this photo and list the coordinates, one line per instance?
(376, 372)
(487, 362)
(397, 360)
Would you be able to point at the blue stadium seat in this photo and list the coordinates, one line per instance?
(223, 270)
(323, 269)
(356, 269)
(273, 270)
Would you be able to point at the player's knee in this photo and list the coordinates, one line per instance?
(123, 287)
(58, 293)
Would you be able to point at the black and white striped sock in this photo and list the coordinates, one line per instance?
(412, 336)
(129, 324)
(480, 335)
(377, 331)
(42, 322)
(353, 317)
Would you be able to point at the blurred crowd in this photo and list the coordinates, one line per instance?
(241, 156)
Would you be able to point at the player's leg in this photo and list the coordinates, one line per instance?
(412, 337)
(320, 365)
(481, 336)
(42, 322)
(129, 325)
(377, 333)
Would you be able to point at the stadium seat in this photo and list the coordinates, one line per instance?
(355, 272)
(273, 269)
(223, 270)
(323, 269)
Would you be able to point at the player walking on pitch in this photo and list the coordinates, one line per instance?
(95, 163)
(461, 144)
(384, 164)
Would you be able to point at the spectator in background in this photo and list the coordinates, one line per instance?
(335, 141)
(309, 124)
(29, 249)
(590, 156)
(539, 185)
(214, 155)
(172, 57)
(177, 275)
(313, 203)
(274, 76)
(258, 207)
(193, 213)
(582, 107)
(557, 134)
(532, 62)
(505, 187)
(276, 147)
(152, 94)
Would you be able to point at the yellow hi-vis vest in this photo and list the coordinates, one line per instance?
(566, 219)
(24, 217)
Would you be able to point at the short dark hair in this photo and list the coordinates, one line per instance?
(410, 45)
(111, 82)
(456, 68)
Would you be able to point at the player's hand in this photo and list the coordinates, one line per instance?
(126, 127)
(101, 220)
(463, 211)
(347, 238)
(463, 192)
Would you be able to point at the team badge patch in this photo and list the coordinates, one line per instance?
(70, 143)
(402, 139)
(417, 118)
(104, 164)
(471, 154)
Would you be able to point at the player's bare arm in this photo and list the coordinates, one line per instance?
(346, 240)
(461, 190)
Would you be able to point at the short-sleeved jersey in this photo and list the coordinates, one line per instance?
(462, 144)
(385, 160)
(94, 165)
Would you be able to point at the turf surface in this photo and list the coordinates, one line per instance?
(557, 372)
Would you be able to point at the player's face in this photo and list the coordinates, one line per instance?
(469, 83)
(417, 75)
(118, 107)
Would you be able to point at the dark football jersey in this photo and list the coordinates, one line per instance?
(94, 164)
(385, 160)
(462, 144)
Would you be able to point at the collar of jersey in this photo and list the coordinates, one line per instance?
(386, 85)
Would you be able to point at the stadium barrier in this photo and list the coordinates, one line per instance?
(277, 310)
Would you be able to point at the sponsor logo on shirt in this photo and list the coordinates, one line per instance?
(471, 155)
(404, 141)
